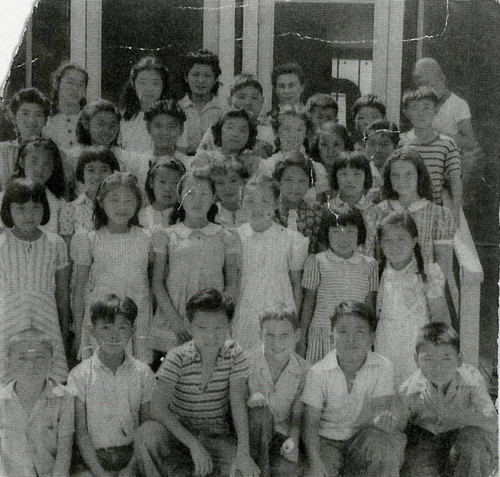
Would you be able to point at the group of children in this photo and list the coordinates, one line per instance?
(285, 277)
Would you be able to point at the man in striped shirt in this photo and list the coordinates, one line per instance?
(439, 152)
(199, 402)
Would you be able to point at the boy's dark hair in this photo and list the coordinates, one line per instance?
(129, 102)
(361, 310)
(179, 214)
(202, 57)
(95, 154)
(402, 220)
(295, 159)
(352, 160)
(111, 306)
(341, 218)
(383, 126)
(209, 299)
(169, 107)
(411, 155)
(262, 180)
(288, 69)
(321, 100)
(222, 166)
(368, 101)
(56, 183)
(29, 95)
(126, 179)
(420, 94)
(236, 113)
(437, 333)
(57, 76)
(20, 191)
(88, 112)
(171, 165)
(283, 313)
(245, 80)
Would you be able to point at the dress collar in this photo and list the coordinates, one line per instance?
(355, 258)
(413, 207)
(185, 232)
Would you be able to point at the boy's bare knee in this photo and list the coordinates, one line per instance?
(150, 434)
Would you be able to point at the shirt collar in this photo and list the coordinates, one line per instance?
(331, 361)
(414, 207)
(187, 102)
(418, 383)
(127, 362)
(209, 230)
(355, 258)
(361, 204)
(191, 349)
(51, 390)
(412, 266)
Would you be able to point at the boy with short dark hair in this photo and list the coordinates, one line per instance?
(452, 422)
(29, 110)
(200, 386)
(113, 391)
(439, 152)
(246, 93)
(343, 394)
(277, 376)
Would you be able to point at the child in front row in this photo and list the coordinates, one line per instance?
(36, 414)
(338, 274)
(113, 393)
(277, 376)
(451, 420)
(200, 386)
(343, 394)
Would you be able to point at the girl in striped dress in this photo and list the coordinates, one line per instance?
(116, 254)
(338, 274)
(34, 273)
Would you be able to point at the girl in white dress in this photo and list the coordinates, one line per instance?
(161, 189)
(116, 254)
(39, 160)
(148, 82)
(411, 293)
(34, 273)
(69, 87)
(189, 256)
(272, 259)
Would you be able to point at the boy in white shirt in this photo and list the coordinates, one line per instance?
(343, 394)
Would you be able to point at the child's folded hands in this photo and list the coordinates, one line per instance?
(386, 421)
(257, 400)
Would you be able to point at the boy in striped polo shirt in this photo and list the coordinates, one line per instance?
(439, 152)
(200, 421)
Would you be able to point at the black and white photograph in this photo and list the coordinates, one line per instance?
(249, 238)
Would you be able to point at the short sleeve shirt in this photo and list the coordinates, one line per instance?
(467, 390)
(343, 412)
(203, 410)
(112, 400)
(281, 394)
(29, 443)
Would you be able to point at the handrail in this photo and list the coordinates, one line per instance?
(467, 297)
